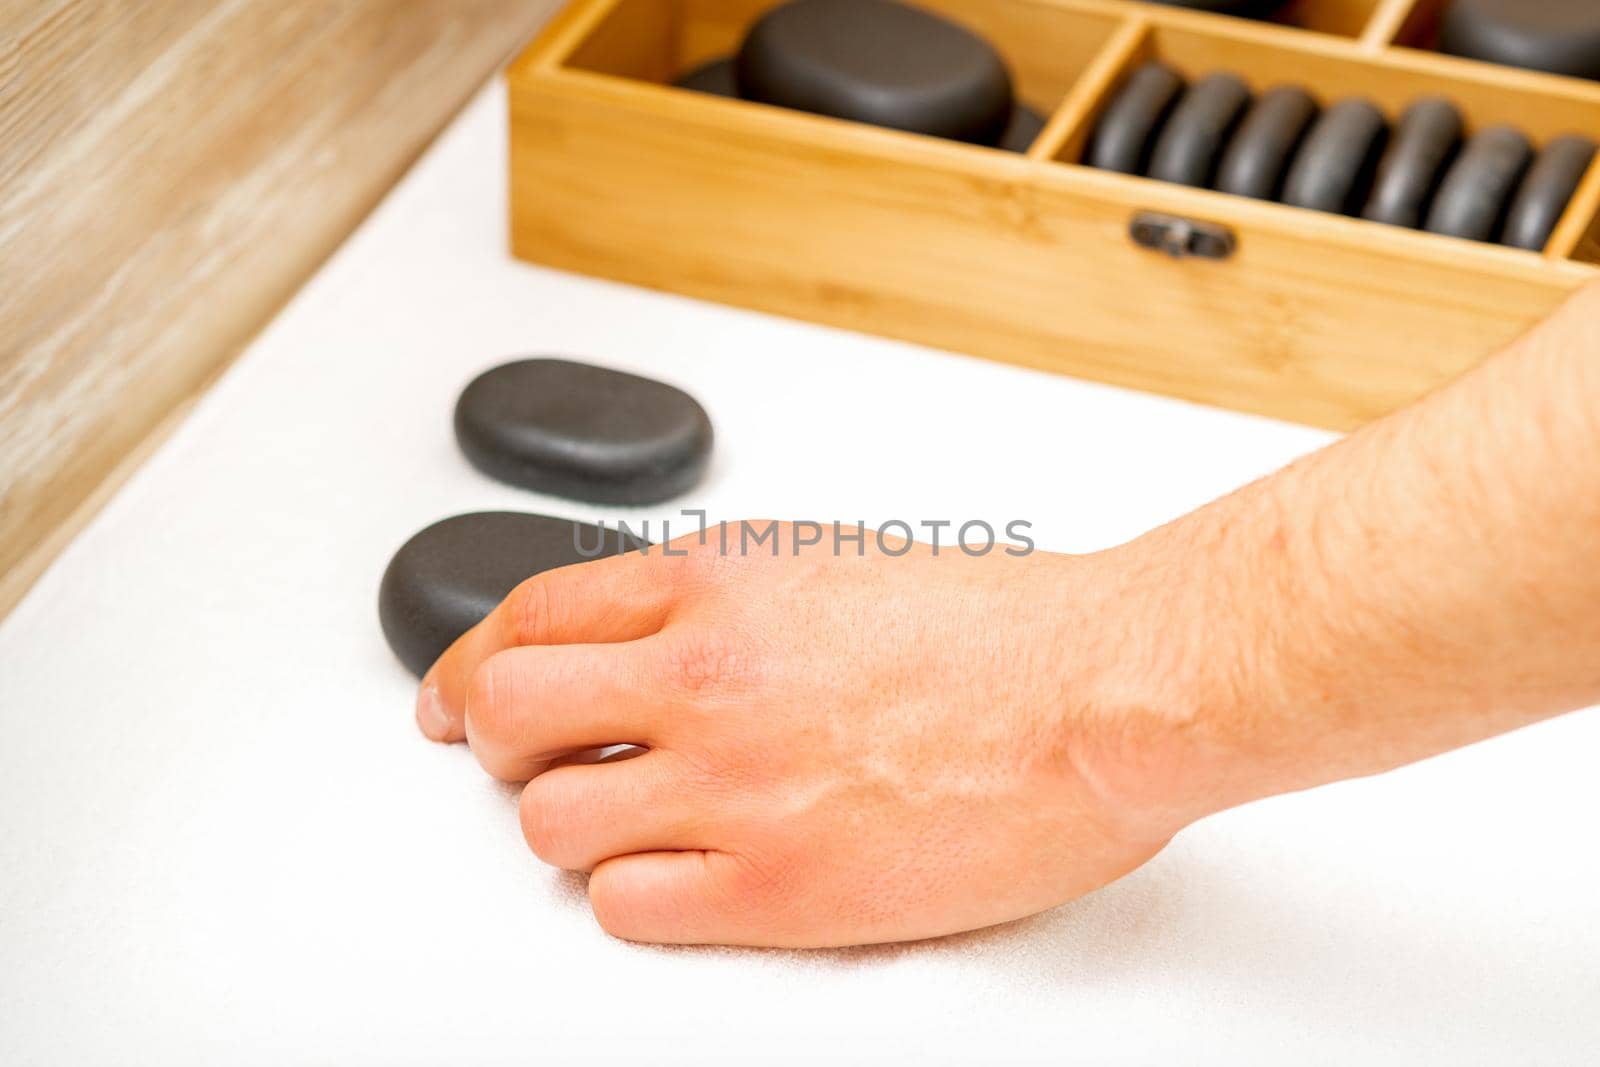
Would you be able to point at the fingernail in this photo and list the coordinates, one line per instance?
(430, 713)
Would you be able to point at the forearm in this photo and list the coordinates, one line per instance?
(1427, 582)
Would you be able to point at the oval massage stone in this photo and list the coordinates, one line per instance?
(1559, 36)
(1545, 192)
(1425, 140)
(1201, 124)
(1477, 189)
(449, 576)
(716, 77)
(1127, 128)
(1337, 159)
(585, 432)
(1257, 158)
(881, 62)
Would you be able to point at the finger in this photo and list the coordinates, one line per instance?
(619, 598)
(526, 706)
(576, 817)
(685, 898)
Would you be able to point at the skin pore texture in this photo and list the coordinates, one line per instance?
(845, 750)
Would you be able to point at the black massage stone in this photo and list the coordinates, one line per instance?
(1559, 36)
(1425, 140)
(450, 575)
(1201, 124)
(1244, 8)
(881, 62)
(1024, 128)
(1477, 189)
(1545, 192)
(1127, 129)
(716, 77)
(585, 432)
(1258, 156)
(1336, 162)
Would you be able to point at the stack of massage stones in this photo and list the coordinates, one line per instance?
(1426, 171)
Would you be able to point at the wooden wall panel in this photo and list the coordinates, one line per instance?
(169, 174)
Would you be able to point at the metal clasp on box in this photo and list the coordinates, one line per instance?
(1181, 238)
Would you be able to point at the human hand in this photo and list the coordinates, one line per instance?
(841, 749)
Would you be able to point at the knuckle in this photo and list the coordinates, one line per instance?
(496, 718)
(490, 693)
(612, 909)
(752, 881)
(725, 553)
(707, 665)
(545, 825)
(532, 612)
(502, 768)
(704, 557)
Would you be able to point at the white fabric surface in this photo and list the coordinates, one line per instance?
(223, 839)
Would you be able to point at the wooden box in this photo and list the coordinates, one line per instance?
(1315, 318)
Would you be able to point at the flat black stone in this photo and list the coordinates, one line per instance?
(1257, 158)
(1126, 131)
(585, 432)
(1425, 140)
(1335, 164)
(881, 62)
(1477, 189)
(1559, 36)
(716, 77)
(453, 573)
(1244, 8)
(1024, 128)
(1546, 191)
(1200, 126)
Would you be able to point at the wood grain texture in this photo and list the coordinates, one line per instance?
(1388, 19)
(1070, 125)
(169, 174)
(1577, 236)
